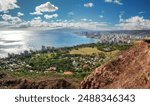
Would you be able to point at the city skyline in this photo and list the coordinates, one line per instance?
(83, 14)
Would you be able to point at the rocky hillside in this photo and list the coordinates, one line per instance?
(130, 70)
(8, 82)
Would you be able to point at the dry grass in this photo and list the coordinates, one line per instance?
(85, 51)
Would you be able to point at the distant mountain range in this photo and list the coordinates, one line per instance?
(132, 32)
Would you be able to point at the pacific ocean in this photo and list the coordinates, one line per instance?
(18, 41)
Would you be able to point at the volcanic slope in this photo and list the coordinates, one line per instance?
(130, 70)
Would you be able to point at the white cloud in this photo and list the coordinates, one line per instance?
(101, 16)
(37, 18)
(11, 19)
(118, 2)
(36, 13)
(71, 13)
(121, 15)
(50, 16)
(46, 7)
(58, 20)
(39, 24)
(81, 25)
(6, 5)
(114, 1)
(84, 19)
(108, 1)
(142, 12)
(88, 5)
(34, 23)
(4, 24)
(5, 12)
(134, 23)
(20, 14)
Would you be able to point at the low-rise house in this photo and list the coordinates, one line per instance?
(68, 73)
(52, 69)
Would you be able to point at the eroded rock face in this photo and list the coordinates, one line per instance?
(130, 70)
(52, 83)
(2, 75)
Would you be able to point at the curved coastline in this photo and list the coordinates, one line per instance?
(34, 40)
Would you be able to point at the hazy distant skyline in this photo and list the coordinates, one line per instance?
(84, 14)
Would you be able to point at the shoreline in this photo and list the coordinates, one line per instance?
(99, 36)
(43, 49)
(39, 48)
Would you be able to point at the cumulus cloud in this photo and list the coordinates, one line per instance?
(4, 24)
(11, 19)
(46, 7)
(34, 23)
(114, 1)
(88, 5)
(6, 5)
(50, 16)
(135, 23)
(20, 14)
(82, 25)
(39, 24)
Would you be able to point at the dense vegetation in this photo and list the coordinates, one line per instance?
(80, 60)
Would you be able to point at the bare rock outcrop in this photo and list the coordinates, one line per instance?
(7, 82)
(130, 70)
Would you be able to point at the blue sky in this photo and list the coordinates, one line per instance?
(86, 14)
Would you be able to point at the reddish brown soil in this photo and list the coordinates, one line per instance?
(7, 82)
(130, 70)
